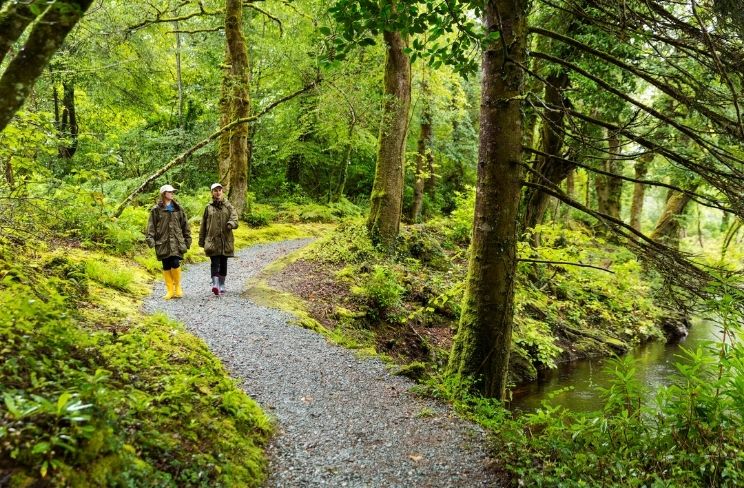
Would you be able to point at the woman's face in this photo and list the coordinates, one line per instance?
(167, 196)
(217, 193)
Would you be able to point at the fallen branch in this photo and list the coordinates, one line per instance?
(566, 263)
(181, 158)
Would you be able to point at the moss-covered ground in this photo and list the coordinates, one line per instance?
(95, 393)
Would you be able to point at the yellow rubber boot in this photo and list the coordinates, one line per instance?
(168, 275)
(176, 274)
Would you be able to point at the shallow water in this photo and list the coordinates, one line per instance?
(655, 368)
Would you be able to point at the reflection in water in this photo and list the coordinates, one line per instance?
(654, 368)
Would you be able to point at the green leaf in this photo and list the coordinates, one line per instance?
(62, 401)
(40, 448)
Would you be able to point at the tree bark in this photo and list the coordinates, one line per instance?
(667, 230)
(45, 38)
(483, 341)
(234, 168)
(179, 82)
(424, 161)
(67, 125)
(609, 189)
(13, 22)
(386, 200)
(639, 191)
(552, 167)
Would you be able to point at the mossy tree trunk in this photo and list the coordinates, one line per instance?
(639, 190)
(424, 160)
(482, 344)
(609, 188)
(234, 151)
(46, 36)
(66, 122)
(13, 21)
(550, 167)
(386, 200)
(667, 229)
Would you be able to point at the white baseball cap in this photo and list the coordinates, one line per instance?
(215, 185)
(166, 188)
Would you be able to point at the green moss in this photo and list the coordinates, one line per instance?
(152, 405)
(414, 370)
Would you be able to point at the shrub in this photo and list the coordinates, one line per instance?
(349, 243)
(381, 288)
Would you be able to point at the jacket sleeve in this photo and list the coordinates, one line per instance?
(233, 221)
(203, 227)
(150, 234)
(186, 229)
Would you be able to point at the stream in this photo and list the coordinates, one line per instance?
(655, 367)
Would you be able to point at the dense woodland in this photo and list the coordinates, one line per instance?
(496, 187)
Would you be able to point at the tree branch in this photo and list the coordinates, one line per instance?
(693, 135)
(581, 265)
(728, 125)
(696, 197)
(264, 12)
(185, 155)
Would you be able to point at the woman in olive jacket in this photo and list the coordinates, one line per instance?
(168, 232)
(216, 236)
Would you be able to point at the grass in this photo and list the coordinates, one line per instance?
(93, 392)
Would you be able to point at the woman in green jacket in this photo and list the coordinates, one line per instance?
(168, 232)
(216, 236)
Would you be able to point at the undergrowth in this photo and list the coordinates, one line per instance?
(562, 312)
(95, 394)
(688, 434)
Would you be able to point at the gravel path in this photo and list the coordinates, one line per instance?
(342, 420)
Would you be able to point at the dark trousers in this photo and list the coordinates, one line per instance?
(171, 262)
(219, 265)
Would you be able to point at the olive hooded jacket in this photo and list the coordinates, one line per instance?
(168, 232)
(216, 232)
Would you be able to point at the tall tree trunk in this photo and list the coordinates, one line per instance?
(424, 160)
(550, 167)
(223, 143)
(179, 82)
(386, 200)
(67, 126)
(639, 190)
(238, 105)
(482, 344)
(610, 188)
(45, 38)
(667, 230)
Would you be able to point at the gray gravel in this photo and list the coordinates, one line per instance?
(342, 420)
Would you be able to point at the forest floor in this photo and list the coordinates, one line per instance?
(342, 419)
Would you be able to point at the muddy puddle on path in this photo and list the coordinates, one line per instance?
(583, 380)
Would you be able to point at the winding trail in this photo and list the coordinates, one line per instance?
(342, 420)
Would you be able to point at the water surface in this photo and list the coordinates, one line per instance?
(654, 368)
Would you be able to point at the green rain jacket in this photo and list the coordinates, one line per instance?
(216, 232)
(168, 232)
